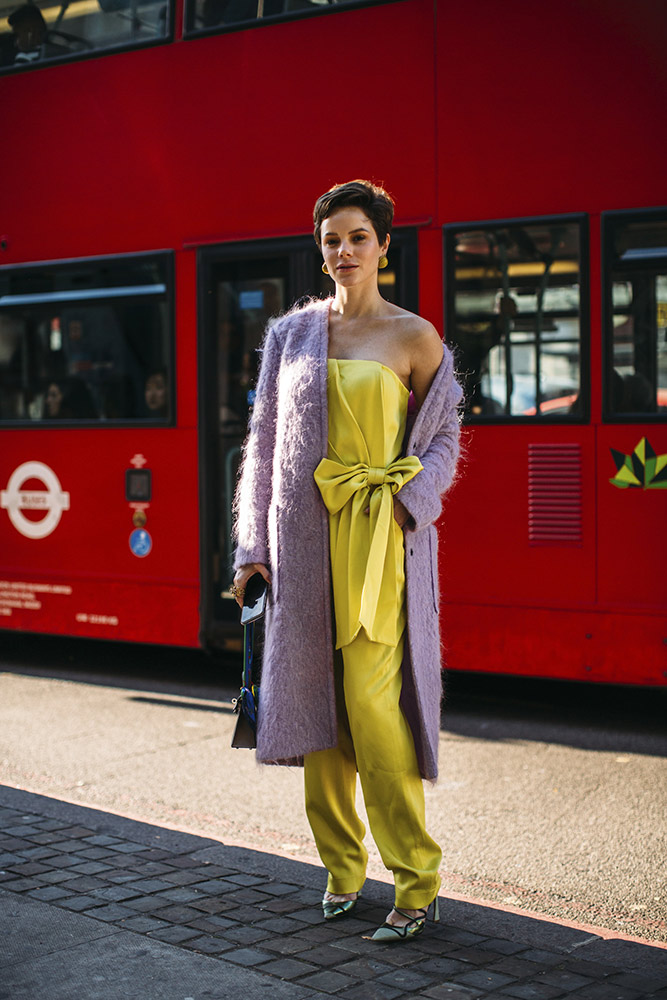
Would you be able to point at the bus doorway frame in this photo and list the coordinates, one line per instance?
(304, 275)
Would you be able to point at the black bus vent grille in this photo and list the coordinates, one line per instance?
(554, 494)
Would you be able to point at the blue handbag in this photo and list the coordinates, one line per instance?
(247, 703)
(245, 706)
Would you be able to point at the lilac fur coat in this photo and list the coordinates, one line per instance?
(281, 521)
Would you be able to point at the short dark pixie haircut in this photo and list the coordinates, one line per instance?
(376, 204)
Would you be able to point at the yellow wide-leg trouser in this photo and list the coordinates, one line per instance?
(375, 739)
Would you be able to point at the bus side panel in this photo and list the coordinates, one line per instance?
(632, 520)
(430, 277)
(486, 550)
(65, 522)
(612, 647)
(222, 137)
(508, 147)
(131, 612)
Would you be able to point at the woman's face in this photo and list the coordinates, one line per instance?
(350, 247)
(54, 398)
(156, 392)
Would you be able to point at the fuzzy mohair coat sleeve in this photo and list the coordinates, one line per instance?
(253, 496)
(434, 439)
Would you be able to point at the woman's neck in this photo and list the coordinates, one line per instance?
(353, 303)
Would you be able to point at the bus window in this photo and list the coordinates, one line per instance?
(206, 14)
(635, 282)
(87, 341)
(36, 32)
(514, 317)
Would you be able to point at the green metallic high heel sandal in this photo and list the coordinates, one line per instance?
(335, 909)
(391, 933)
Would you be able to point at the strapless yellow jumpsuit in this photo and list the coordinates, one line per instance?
(358, 479)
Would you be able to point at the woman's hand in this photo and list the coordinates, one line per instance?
(401, 513)
(244, 573)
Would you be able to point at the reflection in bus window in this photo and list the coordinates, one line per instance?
(85, 341)
(203, 14)
(247, 294)
(636, 273)
(244, 306)
(514, 316)
(32, 33)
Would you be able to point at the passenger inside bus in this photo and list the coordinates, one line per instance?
(69, 399)
(632, 393)
(31, 35)
(53, 401)
(156, 394)
(96, 25)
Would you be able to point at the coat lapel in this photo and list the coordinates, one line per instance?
(322, 355)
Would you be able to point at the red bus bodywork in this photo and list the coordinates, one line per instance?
(465, 113)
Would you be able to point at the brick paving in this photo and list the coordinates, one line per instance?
(275, 927)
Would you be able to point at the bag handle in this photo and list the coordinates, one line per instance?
(250, 703)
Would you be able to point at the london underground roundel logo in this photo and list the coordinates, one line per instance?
(52, 499)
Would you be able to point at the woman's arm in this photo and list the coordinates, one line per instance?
(254, 489)
(426, 352)
(422, 496)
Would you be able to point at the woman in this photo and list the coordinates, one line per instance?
(156, 394)
(69, 399)
(319, 511)
(53, 401)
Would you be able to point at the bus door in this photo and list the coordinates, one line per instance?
(241, 286)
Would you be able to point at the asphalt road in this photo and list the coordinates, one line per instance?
(552, 796)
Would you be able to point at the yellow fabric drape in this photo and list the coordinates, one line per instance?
(363, 471)
(373, 737)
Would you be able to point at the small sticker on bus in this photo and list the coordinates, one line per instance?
(140, 543)
(82, 616)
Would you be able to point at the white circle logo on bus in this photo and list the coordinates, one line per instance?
(52, 500)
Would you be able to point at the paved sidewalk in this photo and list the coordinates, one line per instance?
(99, 907)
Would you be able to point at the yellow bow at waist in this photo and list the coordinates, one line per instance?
(338, 482)
(371, 488)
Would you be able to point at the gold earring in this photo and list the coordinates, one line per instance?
(383, 262)
(325, 269)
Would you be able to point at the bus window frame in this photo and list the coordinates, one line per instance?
(608, 223)
(99, 53)
(190, 34)
(98, 423)
(581, 219)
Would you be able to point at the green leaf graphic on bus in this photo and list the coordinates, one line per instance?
(643, 469)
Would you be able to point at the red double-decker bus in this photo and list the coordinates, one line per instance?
(160, 162)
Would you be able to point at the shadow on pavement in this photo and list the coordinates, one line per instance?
(571, 713)
(160, 669)
(483, 706)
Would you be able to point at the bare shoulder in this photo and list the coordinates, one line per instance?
(422, 343)
(416, 332)
(426, 340)
(424, 349)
